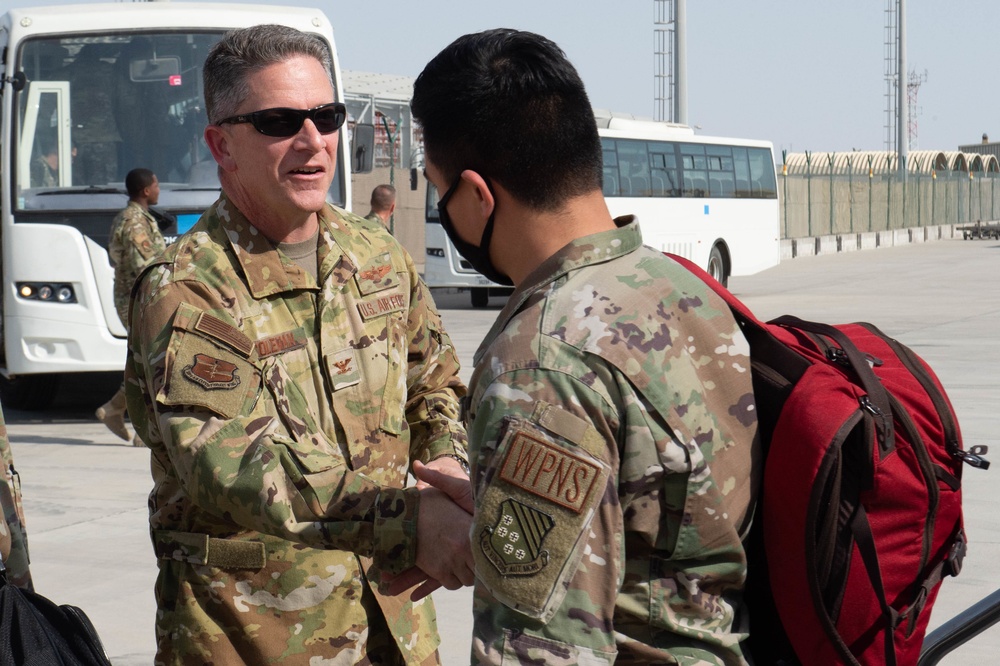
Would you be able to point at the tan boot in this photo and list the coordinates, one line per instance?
(112, 414)
(137, 441)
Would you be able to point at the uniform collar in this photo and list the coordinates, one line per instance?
(144, 211)
(584, 251)
(268, 271)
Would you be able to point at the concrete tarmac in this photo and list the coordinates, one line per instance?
(85, 491)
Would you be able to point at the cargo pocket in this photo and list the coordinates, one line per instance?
(315, 471)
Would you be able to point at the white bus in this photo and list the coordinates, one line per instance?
(90, 92)
(710, 199)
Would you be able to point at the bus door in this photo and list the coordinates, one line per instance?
(45, 150)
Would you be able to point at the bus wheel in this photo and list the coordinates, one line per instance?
(717, 267)
(480, 297)
(28, 392)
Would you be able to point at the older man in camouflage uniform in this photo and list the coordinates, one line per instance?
(133, 242)
(612, 425)
(287, 367)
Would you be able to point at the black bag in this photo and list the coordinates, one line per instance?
(36, 632)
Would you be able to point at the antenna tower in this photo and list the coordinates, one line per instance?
(891, 52)
(912, 89)
(664, 24)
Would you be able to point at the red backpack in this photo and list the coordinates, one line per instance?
(860, 512)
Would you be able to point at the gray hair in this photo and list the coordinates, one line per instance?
(241, 53)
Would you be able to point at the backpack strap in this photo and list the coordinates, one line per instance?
(876, 402)
(865, 541)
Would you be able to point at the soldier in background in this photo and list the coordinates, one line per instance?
(134, 241)
(287, 367)
(45, 167)
(611, 422)
(13, 534)
(383, 205)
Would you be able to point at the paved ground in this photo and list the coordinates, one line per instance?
(85, 492)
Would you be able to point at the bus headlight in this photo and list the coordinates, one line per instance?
(45, 291)
(435, 252)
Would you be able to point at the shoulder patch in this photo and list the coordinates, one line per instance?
(212, 373)
(514, 543)
(202, 373)
(533, 517)
(550, 472)
(216, 328)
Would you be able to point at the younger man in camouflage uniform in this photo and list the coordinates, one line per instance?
(135, 240)
(611, 421)
(287, 366)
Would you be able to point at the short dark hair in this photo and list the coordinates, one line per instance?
(383, 196)
(240, 53)
(137, 180)
(509, 105)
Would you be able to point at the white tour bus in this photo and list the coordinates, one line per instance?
(710, 199)
(90, 92)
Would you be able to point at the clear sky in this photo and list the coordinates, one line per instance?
(804, 74)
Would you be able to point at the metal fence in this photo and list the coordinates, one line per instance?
(832, 203)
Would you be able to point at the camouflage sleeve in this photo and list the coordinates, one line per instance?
(13, 534)
(580, 535)
(434, 390)
(231, 456)
(547, 536)
(140, 247)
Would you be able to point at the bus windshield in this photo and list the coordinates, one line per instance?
(96, 106)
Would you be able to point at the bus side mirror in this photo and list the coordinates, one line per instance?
(17, 81)
(363, 148)
(413, 179)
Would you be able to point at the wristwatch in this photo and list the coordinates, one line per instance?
(461, 461)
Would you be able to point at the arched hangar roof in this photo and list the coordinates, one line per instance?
(880, 162)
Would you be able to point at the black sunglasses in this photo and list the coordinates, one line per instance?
(283, 122)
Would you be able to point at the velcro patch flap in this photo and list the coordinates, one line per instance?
(207, 372)
(533, 519)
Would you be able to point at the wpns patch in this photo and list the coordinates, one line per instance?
(514, 543)
(212, 373)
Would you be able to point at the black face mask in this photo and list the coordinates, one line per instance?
(478, 256)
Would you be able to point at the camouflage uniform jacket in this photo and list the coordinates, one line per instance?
(13, 535)
(282, 418)
(612, 428)
(134, 241)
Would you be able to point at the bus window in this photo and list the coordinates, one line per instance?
(633, 168)
(663, 168)
(721, 179)
(762, 174)
(742, 171)
(695, 170)
(609, 184)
